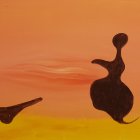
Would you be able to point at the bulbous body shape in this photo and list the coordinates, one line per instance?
(110, 94)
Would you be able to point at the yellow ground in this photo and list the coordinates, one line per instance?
(39, 128)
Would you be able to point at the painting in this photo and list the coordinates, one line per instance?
(50, 87)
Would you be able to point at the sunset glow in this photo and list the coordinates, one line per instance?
(46, 51)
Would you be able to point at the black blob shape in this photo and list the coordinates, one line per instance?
(119, 40)
(7, 114)
(110, 94)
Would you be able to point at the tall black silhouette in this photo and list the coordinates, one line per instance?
(110, 94)
(7, 114)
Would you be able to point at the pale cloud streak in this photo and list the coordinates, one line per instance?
(55, 74)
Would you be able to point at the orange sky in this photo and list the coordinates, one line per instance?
(46, 49)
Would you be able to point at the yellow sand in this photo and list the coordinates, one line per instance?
(42, 128)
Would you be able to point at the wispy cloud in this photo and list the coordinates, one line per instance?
(55, 74)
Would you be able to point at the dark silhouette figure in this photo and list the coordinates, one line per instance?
(110, 94)
(7, 114)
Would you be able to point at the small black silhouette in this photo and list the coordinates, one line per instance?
(7, 114)
(110, 94)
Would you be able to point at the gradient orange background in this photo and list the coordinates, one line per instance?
(46, 50)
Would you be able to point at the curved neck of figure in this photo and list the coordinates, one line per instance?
(116, 67)
(118, 54)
